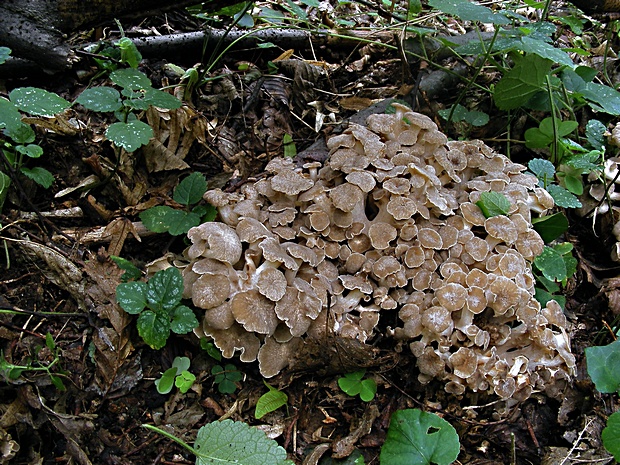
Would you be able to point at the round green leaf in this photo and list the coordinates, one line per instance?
(100, 99)
(164, 291)
(161, 99)
(30, 150)
(157, 218)
(551, 264)
(611, 435)
(184, 381)
(604, 366)
(165, 383)
(131, 296)
(10, 118)
(183, 320)
(130, 136)
(419, 438)
(5, 52)
(39, 175)
(130, 78)
(154, 328)
(181, 364)
(368, 390)
(493, 204)
(38, 102)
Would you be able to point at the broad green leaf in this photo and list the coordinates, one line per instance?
(546, 51)
(38, 102)
(10, 117)
(572, 81)
(129, 78)
(269, 402)
(30, 150)
(493, 204)
(368, 390)
(419, 438)
(165, 383)
(20, 133)
(469, 11)
(477, 118)
(551, 263)
(100, 99)
(156, 218)
(535, 138)
(5, 53)
(574, 184)
(183, 320)
(181, 364)
(563, 248)
(611, 435)
(182, 222)
(129, 52)
(520, 83)
(161, 99)
(130, 136)
(602, 98)
(543, 169)
(232, 442)
(595, 134)
(39, 175)
(184, 381)
(164, 290)
(191, 189)
(566, 127)
(290, 150)
(604, 366)
(154, 328)
(543, 297)
(132, 272)
(562, 197)
(57, 382)
(458, 114)
(550, 227)
(131, 296)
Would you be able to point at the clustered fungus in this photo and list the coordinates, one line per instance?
(388, 225)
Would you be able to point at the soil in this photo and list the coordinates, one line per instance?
(64, 286)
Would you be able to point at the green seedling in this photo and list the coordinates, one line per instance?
(545, 172)
(493, 204)
(551, 268)
(421, 438)
(11, 372)
(174, 221)
(213, 351)
(226, 377)
(158, 306)
(353, 384)
(131, 271)
(270, 401)
(178, 375)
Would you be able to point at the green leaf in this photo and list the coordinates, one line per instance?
(551, 264)
(604, 366)
(520, 83)
(30, 150)
(100, 99)
(129, 52)
(213, 351)
(536, 139)
(10, 117)
(154, 328)
(551, 227)
(229, 442)
(368, 390)
(290, 150)
(57, 382)
(270, 401)
(469, 11)
(38, 102)
(602, 98)
(132, 272)
(130, 136)
(165, 383)
(21, 134)
(157, 218)
(161, 99)
(562, 197)
(595, 134)
(184, 381)
(546, 51)
(477, 118)
(543, 169)
(573, 184)
(493, 204)
(39, 175)
(164, 290)
(611, 435)
(5, 53)
(129, 78)
(191, 189)
(5, 183)
(49, 341)
(183, 320)
(131, 296)
(419, 438)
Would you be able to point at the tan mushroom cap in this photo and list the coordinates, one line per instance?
(506, 294)
(274, 356)
(220, 317)
(362, 179)
(437, 319)
(381, 234)
(210, 290)
(255, 312)
(430, 238)
(290, 182)
(235, 338)
(401, 208)
(346, 196)
(214, 240)
(271, 283)
(451, 296)
(251, 230)
(464, 362)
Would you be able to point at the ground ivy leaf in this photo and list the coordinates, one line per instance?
(130, 136)
(156, 219)
(129, 78)
(164, 290)
(100, 98)
(191, 189)
(231, 442)
(562, 197)
(521, 83)
(611, 435)
(131, 296)
(154, 328)
(604, 366)
(38, 102)
(543, 169)
(493, 204)
(421, 438)
(183, 320)
(551, 264)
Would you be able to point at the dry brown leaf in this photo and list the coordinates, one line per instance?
(117, 231)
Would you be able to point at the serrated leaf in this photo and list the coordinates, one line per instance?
(551, 264)
(419, 438)
(520, 83)
(154, 328)
(604, 366)
(157, 218)
(469, 11)
(493, 204)
(39, 175)
(269, 402)
(550, 227)
(562, 197)
(132, 272)
(131, 296)
(231, 442)
(38, 102)
(183, 320)
(21, 133)
(129, 78)
(161, 99)
(611, 435)
(191, 189)
(165, 383)
(100, 99)
(130, 136)
(164, 290)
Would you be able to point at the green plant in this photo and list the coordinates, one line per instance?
(270, 401)
(353, 384)
(11, 372)
(158, 306)
(178, 375)
(226, 377)
(229, 441)
(164, 218)
(493, 204)
(415, 437)
(604, 368)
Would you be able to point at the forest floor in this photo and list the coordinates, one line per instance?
(57, 280)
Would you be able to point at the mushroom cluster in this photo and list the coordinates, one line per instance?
(389, 225)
